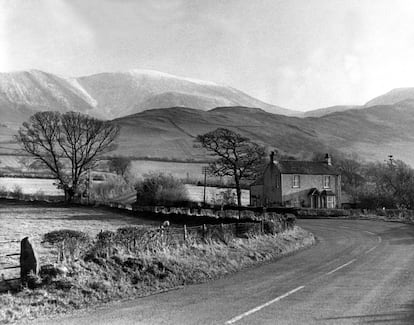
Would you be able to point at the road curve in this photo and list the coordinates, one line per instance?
(360, 272)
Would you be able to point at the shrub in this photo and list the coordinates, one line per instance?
(160, 189)
(58, 236)
(17, 192)
(39, 196)
(71, 243)
(110, 189)
(3, 191)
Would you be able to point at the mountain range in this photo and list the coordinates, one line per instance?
(116, 94)
(160, 115)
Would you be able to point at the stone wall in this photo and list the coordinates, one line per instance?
(406, 216)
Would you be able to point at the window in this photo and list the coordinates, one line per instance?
(327, 182)
(296, 181)
(330, 202)
(277, 182)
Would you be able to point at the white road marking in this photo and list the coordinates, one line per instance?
(340, 267)
(256, 309)
(251, 311)
(370, 250)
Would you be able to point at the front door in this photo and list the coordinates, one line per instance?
(314, 201)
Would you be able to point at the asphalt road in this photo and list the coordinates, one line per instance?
(360, 272)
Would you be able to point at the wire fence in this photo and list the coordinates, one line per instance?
(138, 239)
(9, 264)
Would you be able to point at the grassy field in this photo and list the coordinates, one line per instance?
(179, 170)
(138, 168)
(30, 185)
(20, 220)
(46, 187)
(97, 280)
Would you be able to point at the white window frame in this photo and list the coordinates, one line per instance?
(296, 184)
(330, 201)
(327, 184)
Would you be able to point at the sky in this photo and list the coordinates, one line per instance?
(298, 54)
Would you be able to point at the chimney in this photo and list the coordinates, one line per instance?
(328, 159)
(272, 157)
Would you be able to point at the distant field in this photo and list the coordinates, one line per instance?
(138, 167)
(196, 194)
(213, 194)
(20, 220)
(31, 185)
(36, 185)
(179, 170)
(10, 161)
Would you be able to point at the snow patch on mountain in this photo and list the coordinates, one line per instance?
(163, 75)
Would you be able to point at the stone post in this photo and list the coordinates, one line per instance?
(28, 260)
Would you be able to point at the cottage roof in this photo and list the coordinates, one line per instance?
(306, 167)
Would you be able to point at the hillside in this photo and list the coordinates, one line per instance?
(329, 110)
(117, 94)
(392, 97)
(39, 91)
(373, 133)
(123, 93)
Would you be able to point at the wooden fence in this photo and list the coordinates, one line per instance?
(138, 238)
(219, 232)
(9, 262)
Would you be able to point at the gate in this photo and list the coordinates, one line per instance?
(9, 264)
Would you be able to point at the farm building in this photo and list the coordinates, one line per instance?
(298, 183)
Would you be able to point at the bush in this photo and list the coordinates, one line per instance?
(40, 196)
(3, 191)
(71, 244)
(160, 189)
(110, 189)
(58, 236)
(17, 192)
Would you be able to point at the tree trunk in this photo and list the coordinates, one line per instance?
(238, 191)
(69, 194)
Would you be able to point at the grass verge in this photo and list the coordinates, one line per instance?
(96, 280)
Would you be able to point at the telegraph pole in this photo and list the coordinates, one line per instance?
(204, 170)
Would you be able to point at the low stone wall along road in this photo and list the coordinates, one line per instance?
(360, 272)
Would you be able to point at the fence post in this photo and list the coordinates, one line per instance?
(204, 231)
(262, 226)
(28, 260)
(185, 233)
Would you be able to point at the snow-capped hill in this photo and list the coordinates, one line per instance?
(159, 74)
(124, 93)
(40, 91)
(116, 94)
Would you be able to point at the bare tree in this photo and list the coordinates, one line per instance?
(67, 144)
(236, 156)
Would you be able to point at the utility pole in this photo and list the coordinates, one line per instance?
(204, 170)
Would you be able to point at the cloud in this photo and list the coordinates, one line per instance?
(46, 34)
(299, 54)
(4, 59)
